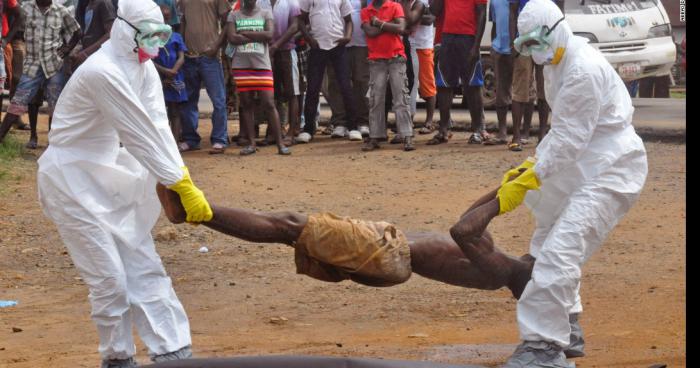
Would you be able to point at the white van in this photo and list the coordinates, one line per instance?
(633, 35)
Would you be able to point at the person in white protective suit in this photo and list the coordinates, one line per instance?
(109, 144)
(589, 169)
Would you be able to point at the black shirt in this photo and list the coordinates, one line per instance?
(102, 12)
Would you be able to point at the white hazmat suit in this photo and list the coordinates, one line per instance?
(102, 196)
(592, 167)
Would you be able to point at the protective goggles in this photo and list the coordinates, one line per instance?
(536, 40)
(149, 34)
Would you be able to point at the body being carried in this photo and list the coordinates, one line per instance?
(332, 248)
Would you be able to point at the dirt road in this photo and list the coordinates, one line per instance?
(245, 299)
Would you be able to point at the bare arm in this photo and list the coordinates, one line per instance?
(258, 227)
(480, 27)
(261, 36)
(304, 28)
(436, 7)
(427, 19)
(67, 48)
(513, 24)
(180, 62)
(235, 37)
(16, 25)
(377, 27)
(413, 16)
(291, 32)
(371, 31)
(347, 32)
(95, 46)
(163, 71)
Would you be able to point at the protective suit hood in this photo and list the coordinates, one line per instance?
(540, 13)
(122, 36)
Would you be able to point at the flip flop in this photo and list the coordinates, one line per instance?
(248, 150)
(437, 139)
(515, 147)
(217, 149)
(427, 129)
(184, 147)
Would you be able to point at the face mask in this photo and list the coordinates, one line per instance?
(147, 53)
(149, 38)
(537, 40)
(543, 57)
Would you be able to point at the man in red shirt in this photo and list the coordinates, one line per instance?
(460, 27)
(383, 22)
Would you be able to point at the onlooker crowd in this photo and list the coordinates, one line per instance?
(275, 57)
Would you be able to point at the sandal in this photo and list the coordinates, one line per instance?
(493, 141)
(370, 145)
(284, 151)
(184, 147)
(289, 141)
(515, 147)
(476, 138)
(427, 129)
(32, 144)
(408, 144)
(437, 139)
(217, 148)
(248, 150)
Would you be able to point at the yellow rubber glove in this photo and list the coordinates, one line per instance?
(527, 164)
(512, 193)
(196, 206)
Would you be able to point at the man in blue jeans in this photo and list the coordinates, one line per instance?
(200, 24)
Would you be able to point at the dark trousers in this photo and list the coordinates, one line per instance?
(318, 59)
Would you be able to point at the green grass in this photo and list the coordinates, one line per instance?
(678, 93)
(10, 150)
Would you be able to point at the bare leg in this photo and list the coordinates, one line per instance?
(293, 118)
(7, 122)
(429, 110)
(502, 114)
(476, 108)
(444, 104)
(267, 99)
(247, 120)
(527, 119)
(33, 110)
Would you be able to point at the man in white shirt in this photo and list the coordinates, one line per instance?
(330, 30)
(359, 78)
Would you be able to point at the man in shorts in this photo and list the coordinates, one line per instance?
(332, 248)
(528, 85)
(460, 28)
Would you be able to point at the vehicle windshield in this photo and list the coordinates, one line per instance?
(606, 6)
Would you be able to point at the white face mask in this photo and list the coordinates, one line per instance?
(544, 57)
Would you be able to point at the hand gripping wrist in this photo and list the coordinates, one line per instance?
(192, 198)
(527, 164)
(512, 193)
